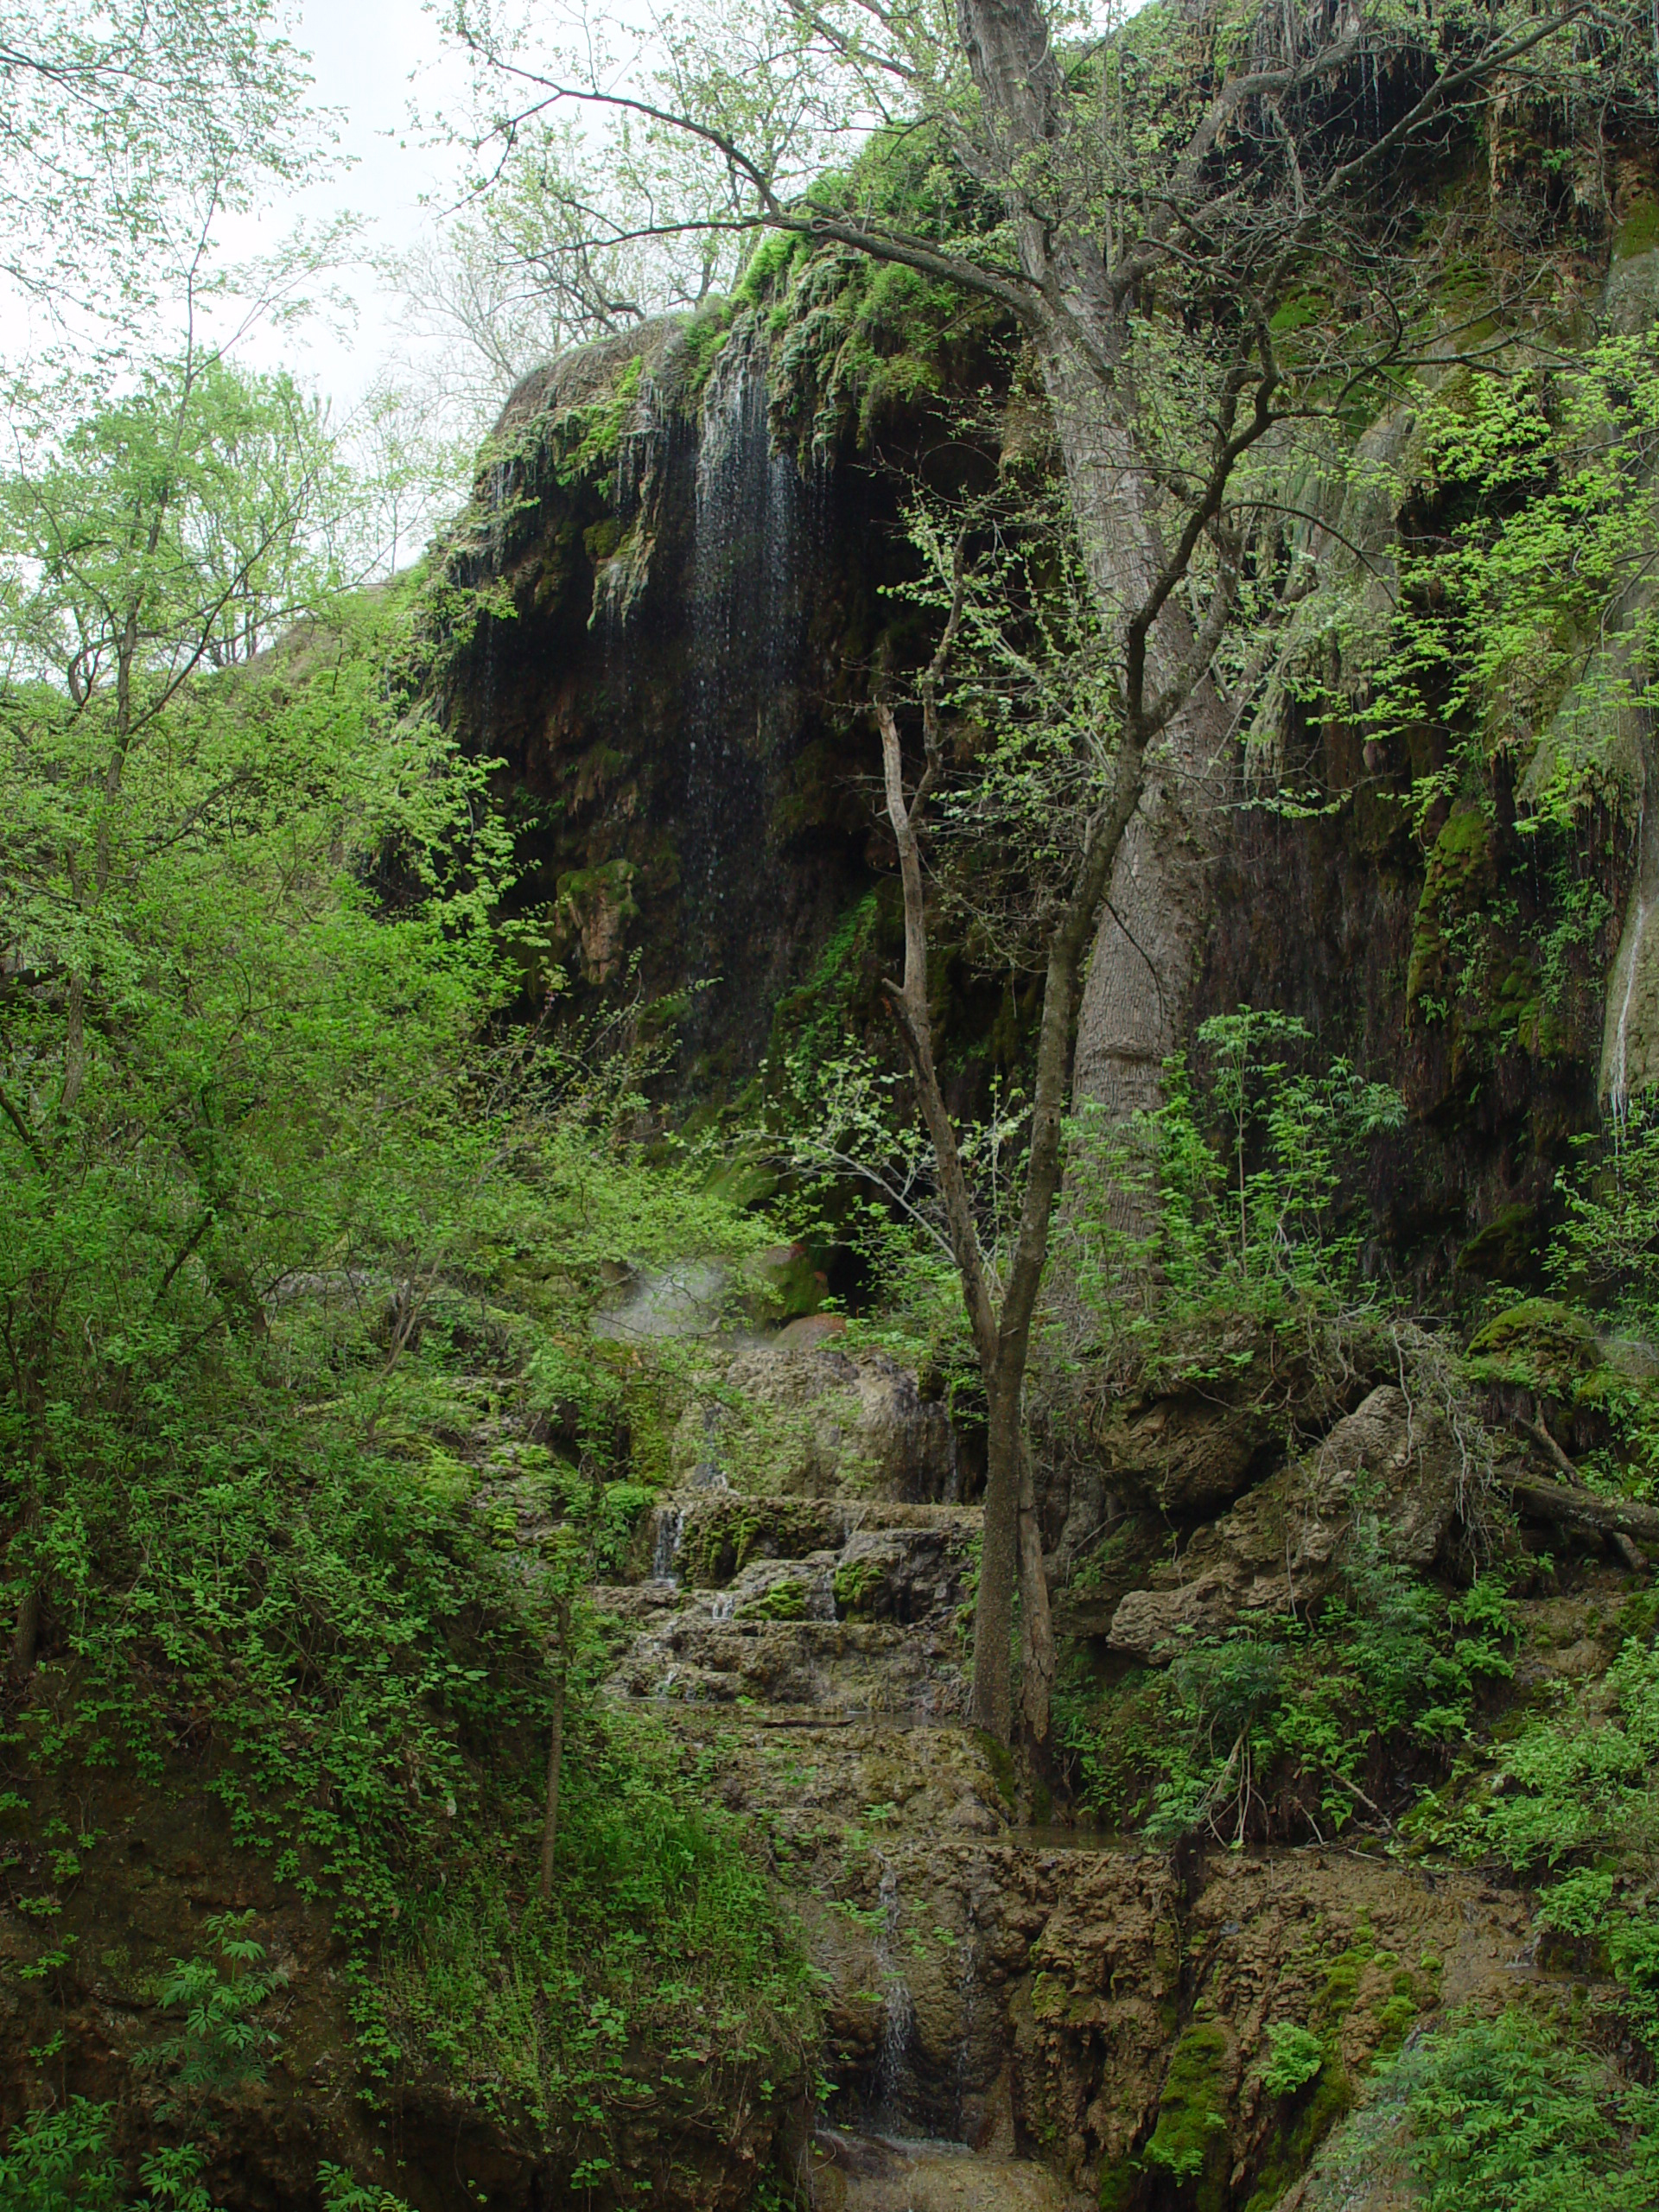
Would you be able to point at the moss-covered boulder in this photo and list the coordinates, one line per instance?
(1539, 1346)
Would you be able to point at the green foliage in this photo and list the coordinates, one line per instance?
(1290, 1711)
(341, 2193)
(143, 532)
(1508, 2115)
(1604, 1257)
(1242, 1176)
(60, 2161)
(1606, 1249)
(1294, 2058)
(301, 1247)
(1575, 1796)
(221, 2045)
(125, 125)
(663, 1929)
(1547, 529)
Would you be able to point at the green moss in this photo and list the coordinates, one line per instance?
(785, 1601)
(1120, 2185)
(767, 271)
(1048, 1998)
(1507, 1249)
(1540, 1345)
(1000, 1761)
(1459, 868)
(854, 1581)
(701, 344)
(1638, 233)
(581, 441)
(1189, 2141)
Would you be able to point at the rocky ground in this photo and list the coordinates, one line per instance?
(1020, 2016)
(1015, 2016)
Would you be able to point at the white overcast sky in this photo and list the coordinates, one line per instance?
(363, 53)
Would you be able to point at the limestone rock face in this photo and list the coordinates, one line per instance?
(1388, 1464)
(815, 1422)
(1016, 2016)
(1238, 1393)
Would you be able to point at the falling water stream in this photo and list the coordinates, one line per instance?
(665, 1552)
(746, 615)
(897, 2014)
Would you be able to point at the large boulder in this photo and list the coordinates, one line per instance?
(1227, 1404)
(784, 1421)
(1390, 1464)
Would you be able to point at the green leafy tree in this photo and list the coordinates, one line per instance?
(128, 128)
(1179, 218)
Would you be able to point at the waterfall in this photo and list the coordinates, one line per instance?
(897, 2013)
(671, 1527)
(1618, 1089)
(709, 1474)
(1630, 1051)
(745, 594)
(968, 2004)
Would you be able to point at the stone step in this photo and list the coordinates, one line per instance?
(707, 1539)
(688, 1654)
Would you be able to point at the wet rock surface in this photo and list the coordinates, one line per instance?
(872, 2173)
(1013, 2016)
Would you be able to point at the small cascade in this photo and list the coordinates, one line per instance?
(709, 1474)
(1618, 1088)
(968, 2005)
(893, 2070)
(1630, 1053)
(670, 1528)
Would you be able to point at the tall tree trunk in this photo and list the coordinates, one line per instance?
(1138, 991)
(1139, 986)
(999, 1565)
(1037, 1658)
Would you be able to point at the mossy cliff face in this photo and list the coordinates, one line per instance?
(692, 540)
(673, 681)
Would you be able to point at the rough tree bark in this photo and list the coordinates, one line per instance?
(1154, 915)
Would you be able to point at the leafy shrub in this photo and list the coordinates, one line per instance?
(1284, 1709)
(221, 2045)
(1232, 1191)
(1508, 2116)
(1294, 2058)
(1578, 1795)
